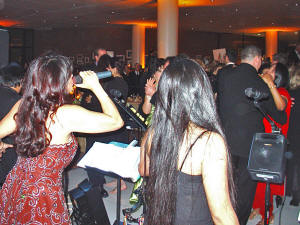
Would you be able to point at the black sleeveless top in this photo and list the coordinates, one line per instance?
(191, 204)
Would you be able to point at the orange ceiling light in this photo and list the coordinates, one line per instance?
(9, 23)
(137, 22)
(181, 3)
(265, 29)
(193, 3)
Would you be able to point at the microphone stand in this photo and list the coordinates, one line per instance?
(275, 130)
(121, 104)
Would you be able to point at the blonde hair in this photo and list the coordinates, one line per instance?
(295, 77)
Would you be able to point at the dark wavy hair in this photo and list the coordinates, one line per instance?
(103, 63)
(44, 90)
(184, 96)
(281, 75)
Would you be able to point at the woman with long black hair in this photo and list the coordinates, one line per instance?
(184, 153)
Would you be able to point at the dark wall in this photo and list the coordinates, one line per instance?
(72, 42)
(202, 43)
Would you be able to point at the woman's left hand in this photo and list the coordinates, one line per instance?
(3, 147)
(268, 79)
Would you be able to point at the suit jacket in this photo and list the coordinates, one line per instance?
(239, 117)
(221, 77)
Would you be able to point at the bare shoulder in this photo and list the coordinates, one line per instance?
(69, 111)
(210, 137)
(213, 145)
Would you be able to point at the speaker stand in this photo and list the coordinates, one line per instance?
(267, 204)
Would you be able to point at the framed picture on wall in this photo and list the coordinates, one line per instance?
(86, 60)
(120, 58)
(72, 58)
(80, 59)
(128, 54)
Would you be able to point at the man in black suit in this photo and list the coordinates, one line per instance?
(230, 60)
(11, 77)
(241, 120)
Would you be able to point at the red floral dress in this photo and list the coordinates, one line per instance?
(33, 193)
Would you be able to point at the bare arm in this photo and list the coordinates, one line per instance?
(280, 101)
(215, 180)
(8, 124)
(144, 168)
(78, 119)
(147, 105)
(150, 89)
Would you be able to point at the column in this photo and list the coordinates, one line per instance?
(167, 28)
(271, 43)
(138, 44)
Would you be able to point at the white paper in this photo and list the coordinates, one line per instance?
(111, 158)
(219, 54)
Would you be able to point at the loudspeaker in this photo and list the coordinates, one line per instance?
(267, 158)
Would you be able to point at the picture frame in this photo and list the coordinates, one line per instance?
(80, 59)
(129, 54)
(86, 60)
(72, 58)
(120, 58)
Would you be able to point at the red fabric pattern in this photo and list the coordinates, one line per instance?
(276, 189)
(32, 192)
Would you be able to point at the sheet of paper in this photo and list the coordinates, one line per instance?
(111, 158)
(219, 54)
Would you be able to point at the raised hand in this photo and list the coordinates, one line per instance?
(150, 87)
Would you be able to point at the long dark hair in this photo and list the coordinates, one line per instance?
(44, 90)
(184, 96)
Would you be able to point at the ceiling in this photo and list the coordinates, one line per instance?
(205, 15)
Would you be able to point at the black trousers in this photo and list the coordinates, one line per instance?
(245, 188)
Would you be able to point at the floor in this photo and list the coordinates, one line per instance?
(289, 214)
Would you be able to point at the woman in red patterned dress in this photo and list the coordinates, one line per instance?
(43, 123)
(277, 81)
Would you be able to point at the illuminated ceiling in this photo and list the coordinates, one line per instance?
(205, 15)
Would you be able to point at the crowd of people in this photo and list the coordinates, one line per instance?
(194, 154)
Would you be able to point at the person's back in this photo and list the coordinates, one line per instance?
(190, 185)
(237, 112)
(184, 152)
(43, 123)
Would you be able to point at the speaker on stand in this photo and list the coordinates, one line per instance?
(267, 159)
